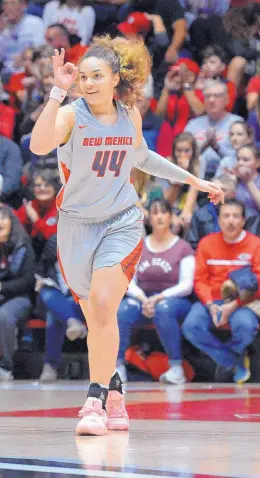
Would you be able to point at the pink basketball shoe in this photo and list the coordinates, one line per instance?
(117, 417)
(93, 418)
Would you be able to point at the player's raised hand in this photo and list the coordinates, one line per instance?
(64, 75)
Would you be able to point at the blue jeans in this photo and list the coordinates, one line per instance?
(60, 309)
(169, 313)
(198, 328)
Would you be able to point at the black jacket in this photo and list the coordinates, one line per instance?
(17, 268)
(204, 222)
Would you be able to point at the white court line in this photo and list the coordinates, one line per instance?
(78, 472)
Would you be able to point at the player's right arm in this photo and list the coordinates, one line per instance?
(55, 124)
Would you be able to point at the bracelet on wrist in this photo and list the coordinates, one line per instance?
(58, 94)
(187, 87)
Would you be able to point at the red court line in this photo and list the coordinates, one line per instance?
(210, 410)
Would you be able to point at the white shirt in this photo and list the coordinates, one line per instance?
(14, 39)
(78, 21)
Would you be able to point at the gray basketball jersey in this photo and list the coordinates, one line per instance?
(95, 165)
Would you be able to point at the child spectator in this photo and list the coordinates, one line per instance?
(240, 134)
(246, 171)
(181, 196)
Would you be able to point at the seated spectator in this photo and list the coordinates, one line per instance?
(151, 123)
(22, 86)
(39, 216)
(213, 67)
(212, 130)
(64, 316)
(17, 279)
(159, 291)
(34, 105)
(74, 15)
(253, 120)
(10, 170)
(240, 134)
(205, 219)
(21, 31)
(246, 171)
(253, 90)
(173, 104)
(218, 256)
(181, 196)
(57, 36)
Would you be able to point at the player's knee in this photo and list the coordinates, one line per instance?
(101, 304)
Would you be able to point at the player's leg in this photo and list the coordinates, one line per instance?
(113, 267)
(108, 287)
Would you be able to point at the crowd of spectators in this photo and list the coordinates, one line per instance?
(200, 267)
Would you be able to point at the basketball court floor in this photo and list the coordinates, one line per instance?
(192, 431)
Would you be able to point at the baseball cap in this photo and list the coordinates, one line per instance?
(134, 24)
(191, 65)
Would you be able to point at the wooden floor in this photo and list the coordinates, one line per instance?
(184, 432)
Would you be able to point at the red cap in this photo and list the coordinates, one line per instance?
(134, 24)
(191, 65)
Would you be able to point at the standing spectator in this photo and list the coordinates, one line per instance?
(212, 130)
(218, 255)
(241, 134)
(159, 291)
(16, 279)
(205, 219)
(21, 32)
(39, 216)
(248, 187)
(10, 169)
(172, 15)
(77, 18)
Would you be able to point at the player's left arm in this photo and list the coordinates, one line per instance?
(154, 164)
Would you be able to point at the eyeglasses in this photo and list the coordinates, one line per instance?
(207, 96)
(41, 185)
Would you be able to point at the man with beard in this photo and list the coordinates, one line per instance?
(231, 254)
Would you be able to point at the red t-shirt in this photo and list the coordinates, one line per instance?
(46, 225)
(75, 53)
(254, 85)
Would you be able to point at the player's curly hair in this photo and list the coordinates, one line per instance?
(127, 57)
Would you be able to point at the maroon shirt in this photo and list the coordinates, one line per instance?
(158, 271)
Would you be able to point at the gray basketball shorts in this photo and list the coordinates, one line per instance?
(85, 246)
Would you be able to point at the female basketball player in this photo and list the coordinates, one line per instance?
(99, 140)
